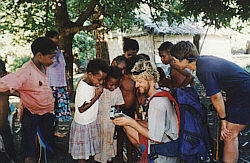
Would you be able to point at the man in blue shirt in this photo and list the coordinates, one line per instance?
(218, 74)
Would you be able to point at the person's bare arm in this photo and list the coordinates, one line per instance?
(86, 106)
(128, 121)
(219, 105)
(143, 123)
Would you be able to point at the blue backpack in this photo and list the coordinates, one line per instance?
(194, 144)
(193, 133)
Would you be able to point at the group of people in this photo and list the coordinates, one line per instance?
(128, 100)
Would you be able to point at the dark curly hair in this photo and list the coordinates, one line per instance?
(130, 44)
(165, 46)
(114, 72)
(96, 65)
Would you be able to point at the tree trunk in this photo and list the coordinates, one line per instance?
(196, 41)
(101, 46)
(67, 47)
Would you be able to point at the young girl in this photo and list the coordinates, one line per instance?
(110, 97)
(85, 129)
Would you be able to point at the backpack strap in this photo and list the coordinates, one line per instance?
(171, 98)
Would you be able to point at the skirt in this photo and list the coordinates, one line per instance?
(61, 106)
(84, 140)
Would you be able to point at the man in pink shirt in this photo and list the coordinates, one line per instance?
(35, 96)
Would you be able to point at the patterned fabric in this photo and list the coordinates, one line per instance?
(56, 72)
(62, 107)
(84, 140)
(143, 141)
(108, 144)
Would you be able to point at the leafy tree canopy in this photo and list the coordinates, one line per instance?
(29, 18)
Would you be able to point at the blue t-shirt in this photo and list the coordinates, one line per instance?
(219, 74)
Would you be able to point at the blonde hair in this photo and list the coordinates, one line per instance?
(145, 69)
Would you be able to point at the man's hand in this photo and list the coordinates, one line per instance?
(123, 121)
(225, 133)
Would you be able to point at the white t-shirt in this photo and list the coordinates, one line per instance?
(84, 93)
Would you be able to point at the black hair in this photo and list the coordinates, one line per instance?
(114, 72)
(131, 62)
(184, 50)
(120, 59)
(43, 45)
(96, 65)
(165, 46)
(145, 56)
(130, 44)
(2, 68)
(162, 73)
(51, 34)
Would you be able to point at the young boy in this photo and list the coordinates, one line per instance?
(84, 140)
(181, 80)
(35, 95)
(110, 100)
(130, 47)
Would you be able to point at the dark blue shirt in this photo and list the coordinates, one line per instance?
(219, 74)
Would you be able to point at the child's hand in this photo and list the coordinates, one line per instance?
(98, 91)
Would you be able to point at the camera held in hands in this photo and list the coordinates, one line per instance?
(114, 113)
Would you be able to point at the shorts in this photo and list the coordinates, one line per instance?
(238, 105)
(30, 124)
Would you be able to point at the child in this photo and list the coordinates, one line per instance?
(4, 101)
(84, 138)
(184, 79)
(111, 96)
(35, 95)
(57, 80)
(5, 131)
(130, 47)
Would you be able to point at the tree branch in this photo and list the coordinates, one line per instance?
(87, 13)
(76, 29)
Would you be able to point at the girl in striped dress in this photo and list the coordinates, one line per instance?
(84, 138)
(111, 96)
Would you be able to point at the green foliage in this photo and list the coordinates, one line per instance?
(25, 20)
(18, 63)
(84, 49)
(217, 12)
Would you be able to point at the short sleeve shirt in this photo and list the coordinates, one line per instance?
(162, 120)
(219, 74)
(84, 93)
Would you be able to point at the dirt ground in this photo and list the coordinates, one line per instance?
(62, 143)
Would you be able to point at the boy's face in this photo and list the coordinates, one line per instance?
(142, 85)
(55, 39)
(112, 84)
(165, 57)
(130, 53)
(47, 60)
(97, 79)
